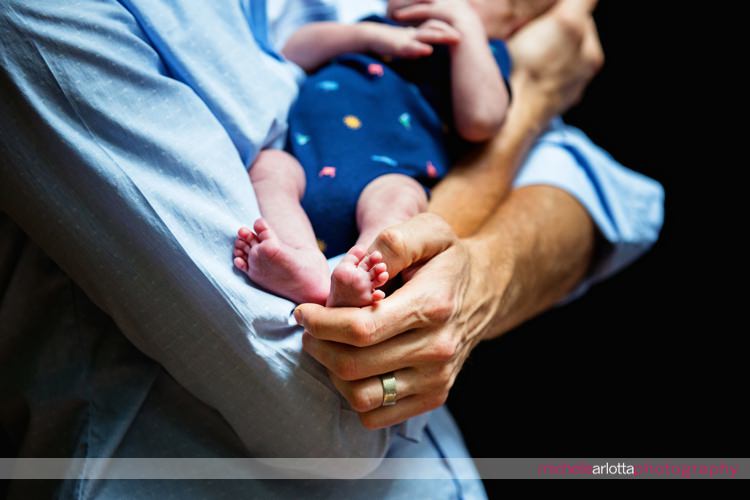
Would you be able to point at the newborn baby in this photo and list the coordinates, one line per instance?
(386, 110)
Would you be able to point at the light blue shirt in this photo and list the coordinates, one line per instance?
(126, 128)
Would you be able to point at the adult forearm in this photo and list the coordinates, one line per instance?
(535, 248)
(538, 245)
(474, 188)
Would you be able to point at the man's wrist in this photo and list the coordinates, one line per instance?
(537, 107)
(546, 96)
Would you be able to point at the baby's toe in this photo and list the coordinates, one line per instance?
(245, 234)
(241, 245)
(263, 230)
(380, 280)
(375, 258)
(260, 225)
(358, 253)
(240, 263)
(377, 269)
(370, 261)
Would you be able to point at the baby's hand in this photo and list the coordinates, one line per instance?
(459, 14)
(409, 41)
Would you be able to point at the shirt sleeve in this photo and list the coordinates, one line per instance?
(128, 180)
(626, 207)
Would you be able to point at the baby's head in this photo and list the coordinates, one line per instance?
(502, 18)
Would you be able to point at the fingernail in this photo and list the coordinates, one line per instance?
(298, 315)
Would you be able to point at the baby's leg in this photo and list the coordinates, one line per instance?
(281, 253)
(386, 201)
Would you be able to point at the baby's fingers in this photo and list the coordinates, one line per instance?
(435, 31)
(415, 48)
(419, 12)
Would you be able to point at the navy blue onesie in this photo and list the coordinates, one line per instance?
(361, 117)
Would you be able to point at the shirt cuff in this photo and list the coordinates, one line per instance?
(626, 207)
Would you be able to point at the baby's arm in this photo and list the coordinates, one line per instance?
(317, 43)
(480, 97)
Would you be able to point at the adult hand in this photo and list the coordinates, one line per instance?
(423, 332)
(556, 56)
(501, 18)
(465, 290)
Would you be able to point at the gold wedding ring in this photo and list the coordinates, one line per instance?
(389, 389)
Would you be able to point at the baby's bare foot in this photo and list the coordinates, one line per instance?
(299, 274)
(355, 280)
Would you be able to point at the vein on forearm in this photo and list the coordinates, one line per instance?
(540, 242)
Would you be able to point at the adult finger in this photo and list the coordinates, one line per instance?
(367, 395)
(354, 363)
(414, 241)
(405, 309)
(413, 348)
(405, 409)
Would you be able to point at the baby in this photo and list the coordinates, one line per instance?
(386, 110)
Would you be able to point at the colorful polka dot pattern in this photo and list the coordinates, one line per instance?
(432, 170)
(384, 159)
(301, 139)
(405, 120)
(355, 123)
(327, 172)
(376, 70)
(352, 122)
(328, 86)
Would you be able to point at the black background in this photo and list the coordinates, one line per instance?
(648, 363)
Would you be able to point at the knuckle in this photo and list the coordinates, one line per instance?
(571, 26)
(361, 331)
(437, 399)
(444, 349)
(361, 400)
(391, 241)
(440, 310)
